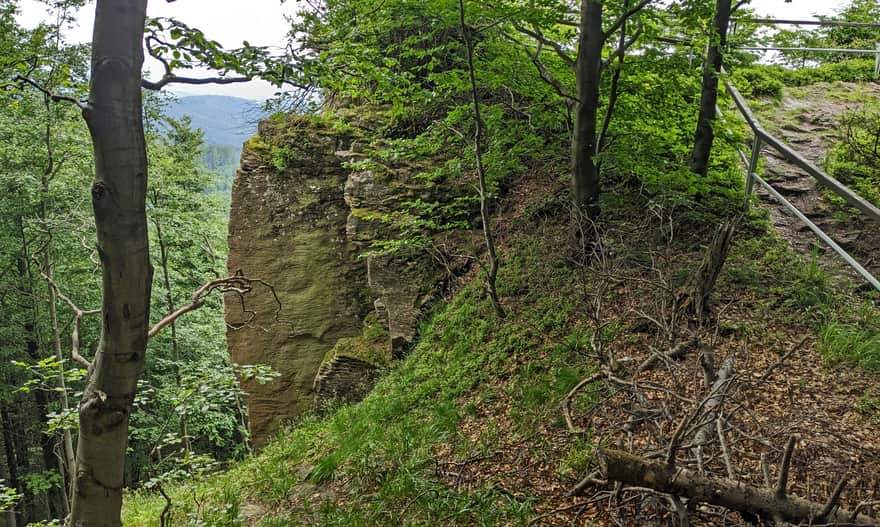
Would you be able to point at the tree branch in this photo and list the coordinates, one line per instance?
(238, 284)
(541, 39)
(738, 5)
(622, 20)
(174, 79)
(546, 75)
(22, 80)
(78, 314)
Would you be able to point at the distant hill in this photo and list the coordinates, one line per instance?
(226, 121)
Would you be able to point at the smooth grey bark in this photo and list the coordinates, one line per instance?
(114, 118)
(705, 136)
(583, 145)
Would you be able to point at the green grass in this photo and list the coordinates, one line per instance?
(851, 344)
(798, 289)
(379, 455)
(375, 463)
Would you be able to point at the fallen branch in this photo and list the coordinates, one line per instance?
(763, 503)
(567, 402)
(680, 350)
(782, 359)
(712, 408)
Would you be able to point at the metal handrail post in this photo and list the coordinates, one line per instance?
(877, 60)
(753, 165)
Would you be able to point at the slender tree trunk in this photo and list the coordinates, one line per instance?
(11, 460)
(50, 462)
(583, 145)
(709, 94)
(614, 91)
(115, 119)
(9, 514)
(169, 304)
(68, 459)
(23, 424)
(65, 464)
(492, 277)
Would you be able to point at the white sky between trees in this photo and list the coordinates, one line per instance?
(263, 23)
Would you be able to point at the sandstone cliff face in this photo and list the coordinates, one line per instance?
(299, 220)
(287, 227)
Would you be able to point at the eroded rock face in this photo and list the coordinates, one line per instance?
(287, 227)
(301, 215)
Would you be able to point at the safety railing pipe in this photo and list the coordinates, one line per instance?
(795, 158)
(820, 233)
(753, 165)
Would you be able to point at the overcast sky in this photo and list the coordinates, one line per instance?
(262, 22)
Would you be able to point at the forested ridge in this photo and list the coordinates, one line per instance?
(488, 263)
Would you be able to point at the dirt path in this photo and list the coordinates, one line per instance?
(807, 119)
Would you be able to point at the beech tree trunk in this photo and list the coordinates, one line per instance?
(583, 144)
(114, 118)
(709, 93)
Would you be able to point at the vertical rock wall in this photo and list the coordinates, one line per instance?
(299, 220)
(287, 227)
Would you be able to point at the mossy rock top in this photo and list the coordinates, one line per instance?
(375, 351)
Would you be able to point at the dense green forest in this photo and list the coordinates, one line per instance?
(524, 222)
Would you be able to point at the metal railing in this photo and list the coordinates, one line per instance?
(762, 138)
(821, 22)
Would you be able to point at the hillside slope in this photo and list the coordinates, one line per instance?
(469, 429)
(809, 119)
(226, 121)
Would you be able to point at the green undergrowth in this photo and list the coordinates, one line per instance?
(377, 459)
(761, 80)
(801, 290)
(475, 384)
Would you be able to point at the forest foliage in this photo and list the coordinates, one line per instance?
(403, 64)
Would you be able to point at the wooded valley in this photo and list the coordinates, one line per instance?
(593, 262)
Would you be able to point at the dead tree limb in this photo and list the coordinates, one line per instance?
(782, 359)
(694, 297)
(237, 284)
(763, 503)
(712, 408)
(782, 482)
(569, 399)
(678, 351)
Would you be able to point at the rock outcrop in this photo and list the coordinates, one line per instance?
(304, 210)
(287, 227)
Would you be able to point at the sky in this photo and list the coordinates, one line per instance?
(262, 22)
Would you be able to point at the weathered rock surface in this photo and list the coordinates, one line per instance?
(301, 216)
(287, 227)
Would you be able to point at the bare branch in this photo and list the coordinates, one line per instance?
(541, 39)
(738, 5)
(78, 314)
(174, 79)
(546, 75)
(782, 482)
(834, 499)
(622, 20)
(22, 80)
(238, 284)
